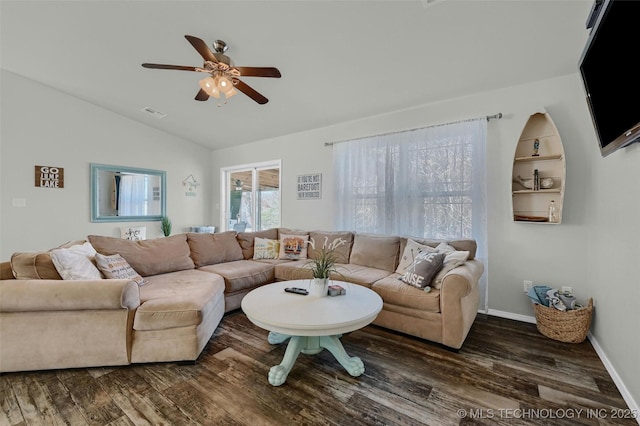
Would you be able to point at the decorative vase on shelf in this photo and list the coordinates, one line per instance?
(319, 287)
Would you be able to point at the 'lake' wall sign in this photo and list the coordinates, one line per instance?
(50, 177)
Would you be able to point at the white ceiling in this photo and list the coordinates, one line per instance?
(340, 60)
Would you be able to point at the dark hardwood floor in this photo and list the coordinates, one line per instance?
(505, 374)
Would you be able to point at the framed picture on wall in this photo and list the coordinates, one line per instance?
(133, 233)
(309, 186)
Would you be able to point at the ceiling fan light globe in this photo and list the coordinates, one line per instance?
(209, 86)
(225, 85)
(230, 93)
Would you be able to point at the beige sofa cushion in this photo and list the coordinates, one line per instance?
(321, 238)
(358, 274)
(246, 240)
(395, 292)
(37, 265)
(148, 257)
(293, 270)
(176, 299)
(209, 249)
(33, 266)
(375, 251)
(241, 275)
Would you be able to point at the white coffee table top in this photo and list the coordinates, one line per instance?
(273, 309)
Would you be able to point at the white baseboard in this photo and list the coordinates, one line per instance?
(510, 315)
(633, 405)
(626, 395)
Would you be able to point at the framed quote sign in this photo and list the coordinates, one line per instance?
(49, 176)
(310, 186)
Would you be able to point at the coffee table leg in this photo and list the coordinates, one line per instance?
(276, 338)
(278, 373)
(352, 364)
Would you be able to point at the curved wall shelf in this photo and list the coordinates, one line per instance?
(530, 201)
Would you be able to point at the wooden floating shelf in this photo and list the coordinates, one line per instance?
(539, 136)
(531, 191)
(539, 158)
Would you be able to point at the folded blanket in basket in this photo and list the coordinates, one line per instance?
(538, 294)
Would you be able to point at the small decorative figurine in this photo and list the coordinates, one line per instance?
(536, 146)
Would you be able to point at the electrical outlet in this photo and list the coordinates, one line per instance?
(567, 289)
(527, 285)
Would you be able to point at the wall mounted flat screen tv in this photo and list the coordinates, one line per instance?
(611, 76)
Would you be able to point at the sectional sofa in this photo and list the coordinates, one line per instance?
(190, 281)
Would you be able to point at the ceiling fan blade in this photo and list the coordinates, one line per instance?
(259, 72)
(202, 48)
(169, 67)
(250, 92)
(202, 96)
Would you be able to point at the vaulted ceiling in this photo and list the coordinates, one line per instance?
(340, 60)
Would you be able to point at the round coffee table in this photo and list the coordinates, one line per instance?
(310, 323)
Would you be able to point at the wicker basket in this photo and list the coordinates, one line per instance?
(568, 326)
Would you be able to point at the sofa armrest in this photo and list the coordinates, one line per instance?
(459, 296)
(460, 281)
(67, 295)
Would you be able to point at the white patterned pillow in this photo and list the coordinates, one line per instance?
(293, 247)
(411, 252)
(76, 262)
(264, 248)
(453, 259)
(116, 267)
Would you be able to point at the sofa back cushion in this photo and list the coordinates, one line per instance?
(322, 238)
(37, 265)
(375, 251)
(246, 240)
(148, 257)
(209, 249)
(33, 266)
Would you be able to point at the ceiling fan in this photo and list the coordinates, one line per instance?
(224, 76)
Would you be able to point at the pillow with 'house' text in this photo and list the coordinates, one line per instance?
(421, 271)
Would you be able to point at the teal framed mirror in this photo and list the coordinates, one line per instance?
(127, 194)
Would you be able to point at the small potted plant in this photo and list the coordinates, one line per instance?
(166, 226)
(323, 264)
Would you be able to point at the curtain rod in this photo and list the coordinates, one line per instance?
(497, 116)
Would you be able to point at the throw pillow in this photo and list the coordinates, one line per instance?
(453, 259)
(116, 267)
(411, 252)
(264, 248)
(293, 247)
(422, 270)
(76, 262)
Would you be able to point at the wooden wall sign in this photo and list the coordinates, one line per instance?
(49, 176)
(310, 186)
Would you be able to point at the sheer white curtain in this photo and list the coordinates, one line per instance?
(428, 182)
(133, 193)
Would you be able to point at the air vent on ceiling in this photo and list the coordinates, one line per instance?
(154, 113)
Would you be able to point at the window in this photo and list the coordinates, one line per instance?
(420, 182)
(251, 196)
(428, 182)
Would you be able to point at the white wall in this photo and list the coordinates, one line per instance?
(569, 254)
(613, 250)
(42, 126)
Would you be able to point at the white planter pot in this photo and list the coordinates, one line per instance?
(319, 287)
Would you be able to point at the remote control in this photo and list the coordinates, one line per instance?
(296, 290)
